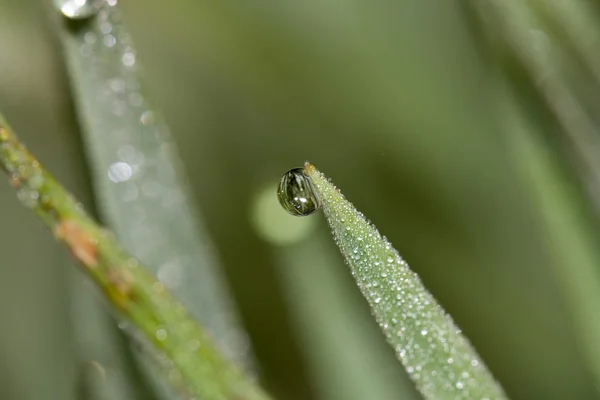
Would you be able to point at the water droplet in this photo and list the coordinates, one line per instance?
(161, 334)
(106, 28)
(147, 117)
(170, 274)
(128, 59)
(78, 9)
(28, 196)
(296, 193)
(119, 172)
(109, 40)
(117, 84)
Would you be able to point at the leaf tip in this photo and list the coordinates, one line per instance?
(309, 168)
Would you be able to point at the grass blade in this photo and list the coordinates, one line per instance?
(196, 366)
(137, 177)
(570, 237)
(438, 358)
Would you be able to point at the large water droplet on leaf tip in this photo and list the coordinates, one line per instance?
(297, 194)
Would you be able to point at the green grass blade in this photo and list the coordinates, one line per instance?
(438, 358)
(194, 364)
(345, 353)
(570, 237)
(137, 178)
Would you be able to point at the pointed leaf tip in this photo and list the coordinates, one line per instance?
(437, 357)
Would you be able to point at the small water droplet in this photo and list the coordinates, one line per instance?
(90, 38)
(78, 9)
(28, 196)
(147, 117)
(106, 28)
(297, 194)
(161, 334)
(128, 59)
(119, 172)
(109, 40)
(117, 84)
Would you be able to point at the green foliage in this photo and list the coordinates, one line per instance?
(193, 364)
(492, 197)
(438, 358)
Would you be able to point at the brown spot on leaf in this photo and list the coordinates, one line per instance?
(80, 243)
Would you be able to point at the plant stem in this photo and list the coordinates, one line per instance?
(194, 364)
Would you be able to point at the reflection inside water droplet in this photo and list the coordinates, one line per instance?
(297, 194)
(78, 9)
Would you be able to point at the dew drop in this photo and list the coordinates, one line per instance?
(161, 334)
(90, 38)
(109, 40)
(297, 194)
(78, 9)
(128, 59)
(119, 172)
(28, 196)
(147, 117)
(106, 28)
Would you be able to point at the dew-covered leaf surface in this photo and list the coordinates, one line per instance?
(438, 358)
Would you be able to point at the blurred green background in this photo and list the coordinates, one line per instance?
(395, 101)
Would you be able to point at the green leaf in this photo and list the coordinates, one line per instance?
(195, 366)
(138, 180)
(571, 239)
(438, 358)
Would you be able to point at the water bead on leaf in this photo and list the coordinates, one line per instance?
(297, 194)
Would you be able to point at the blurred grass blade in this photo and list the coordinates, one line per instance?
(137, 177)
(194, 365)
(544, 58)
(438, 358)
(569, 235)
